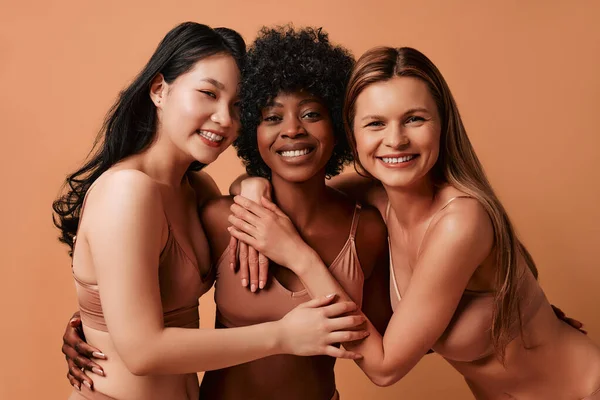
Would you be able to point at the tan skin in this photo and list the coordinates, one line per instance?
(124, 229)
(395, 118)
(323, 217)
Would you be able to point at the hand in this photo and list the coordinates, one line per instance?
(254, 266)
(571, 321)
(313, 327)
(267, 229)
(78, 354)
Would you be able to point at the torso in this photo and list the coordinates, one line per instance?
(283, 376)
(550, 360)
(184, 275)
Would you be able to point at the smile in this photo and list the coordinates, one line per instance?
(294, 153)
(213, 137)
(398, 160)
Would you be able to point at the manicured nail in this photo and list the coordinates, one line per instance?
(253, 288)
(98, 371)
(330, 295)
(244, 282)
(358, 356)
(86, 383)
(229, 228)
(76, 386)
(97, 354)
(261, 284)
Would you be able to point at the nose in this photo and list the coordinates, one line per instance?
(222, 116)
(292, 128)
(395, 137)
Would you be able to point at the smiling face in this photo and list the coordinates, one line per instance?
(397, 131)
(198, 110)
(295, 136)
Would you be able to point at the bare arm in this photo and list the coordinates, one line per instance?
(129, 231)
(362, 189)
(457, 244)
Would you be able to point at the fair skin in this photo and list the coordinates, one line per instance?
(125, 228)
(437, 256)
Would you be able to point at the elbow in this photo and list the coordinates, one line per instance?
(383, 379)
(139, 365)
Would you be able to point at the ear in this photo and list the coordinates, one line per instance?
(158, 90)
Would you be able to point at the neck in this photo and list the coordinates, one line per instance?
(164, 162)
(300, 201)
(412, 204)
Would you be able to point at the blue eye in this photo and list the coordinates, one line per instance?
(414, 118)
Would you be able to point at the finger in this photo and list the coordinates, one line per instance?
(74, 382)
(340, 308)
(232, 253)
(347, 322)
(88, 365)
(253, 267)
(250, 205)
(244, 214)
(318, 302)
(341, 353)
(269, 205)
(263, 270)
(346, 336)
(244, 263)
(242, 225)
(84, 349)
(243, 238)
(80, 376)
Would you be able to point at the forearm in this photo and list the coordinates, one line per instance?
(178, 351)
(375, 363)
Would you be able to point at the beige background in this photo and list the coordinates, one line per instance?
(525, 75)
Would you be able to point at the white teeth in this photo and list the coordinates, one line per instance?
(394, 160)
(213, 137)
(294, 153)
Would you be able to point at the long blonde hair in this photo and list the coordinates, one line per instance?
(457, 165)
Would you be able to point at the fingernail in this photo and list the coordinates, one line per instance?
(98, 371)
(253, 288)
(86, 383)
(97, 354)
(229, 228)
(244, 282)
(330, 295)
(261, 284)
(76, 386)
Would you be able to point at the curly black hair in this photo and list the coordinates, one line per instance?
(285, 60)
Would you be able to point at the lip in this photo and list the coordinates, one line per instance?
(405, 164)
(295, 146)
(210, 143)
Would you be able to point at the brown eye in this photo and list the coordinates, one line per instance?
(208, 93)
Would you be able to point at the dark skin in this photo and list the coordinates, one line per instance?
(322, 215)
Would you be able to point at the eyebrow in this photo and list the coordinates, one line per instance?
(409, 111)
(214, 82)
(273, 104)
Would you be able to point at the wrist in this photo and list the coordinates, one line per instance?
(303, 261)
(277, 334)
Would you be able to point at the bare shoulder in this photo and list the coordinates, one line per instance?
(125, 189)
(462, 219)
(371, 239)
(204, 185)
